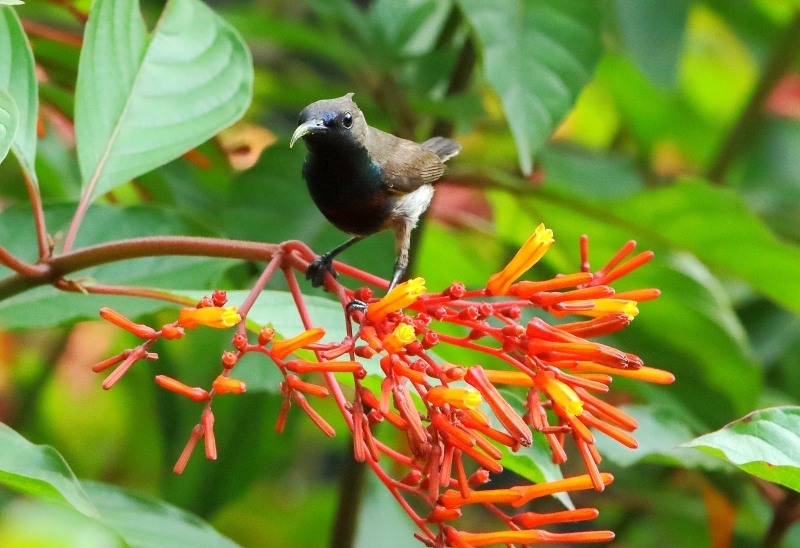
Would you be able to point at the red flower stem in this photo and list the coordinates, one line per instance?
(393, 487)
(496, 352)
(502, 515)
(245, 307)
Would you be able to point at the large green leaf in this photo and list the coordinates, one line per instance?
(765, 443)
(717, 227)
(652, 32)
(142, 100)
(145, 522)
(18, 79)
(660, 434)
(9, 119)
(40, 471)
(537, 55)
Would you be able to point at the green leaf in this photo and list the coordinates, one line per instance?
(660, 435)
(765, 443)
(716, 226)
(18, 79)
(537, 55)
(652, 31)
(143, 100)
(145, 522)
(40, 471)
(8, 123)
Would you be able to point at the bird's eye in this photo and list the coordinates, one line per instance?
(347, 120)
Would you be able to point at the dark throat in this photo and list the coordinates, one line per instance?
(346, 186)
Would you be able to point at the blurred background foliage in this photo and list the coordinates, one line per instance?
(672, 122)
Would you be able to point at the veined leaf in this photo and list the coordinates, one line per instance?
(146, 522)
(40, 471)
(537, 55)
(8, 122)
(18, 79)
(143, 100)
(765, 443)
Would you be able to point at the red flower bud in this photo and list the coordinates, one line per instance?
(219, 298)
(239, 341)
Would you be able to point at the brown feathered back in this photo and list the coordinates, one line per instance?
(407, 165)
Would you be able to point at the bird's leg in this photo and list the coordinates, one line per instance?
(316, 270)
(402, 241)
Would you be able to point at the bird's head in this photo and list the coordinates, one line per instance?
(331, 121)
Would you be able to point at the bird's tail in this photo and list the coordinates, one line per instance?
(443, 147)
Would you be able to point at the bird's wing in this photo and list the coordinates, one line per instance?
(405, 165)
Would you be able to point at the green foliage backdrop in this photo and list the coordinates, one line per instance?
(674, 122)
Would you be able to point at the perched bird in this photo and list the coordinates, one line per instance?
(365, 180)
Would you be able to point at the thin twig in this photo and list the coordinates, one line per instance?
(20, 267)
(144, 292)
(783, 57)
(38, 217)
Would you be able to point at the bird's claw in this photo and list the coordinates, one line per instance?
(316, 270)
(354, 305)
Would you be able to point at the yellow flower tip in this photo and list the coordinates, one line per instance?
(462, 398)
(400, 297)
(528, 255)
(562, 395)
(402, 335)
(227, 385)
(281, 349)
(210, 316)
(603, 307)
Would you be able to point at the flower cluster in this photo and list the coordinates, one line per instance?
(552, 376)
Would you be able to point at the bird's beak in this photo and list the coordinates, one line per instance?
(312, 126)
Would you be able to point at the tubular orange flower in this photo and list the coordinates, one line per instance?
(402, 335)
(509, 418)
(210, 316)
(281, 349)
(516, 378)
(529, 520)
(644, 373)
(577, 483)
(400, 297)
(227, 385)
(527, 256)
(140, 330)
(562, 395)
(453, 498)
(606, 306)
(527, 289)
(463, 398)
(195, 393)
(533, 536)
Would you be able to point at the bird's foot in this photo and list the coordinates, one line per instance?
(354, 305)
(316, 270)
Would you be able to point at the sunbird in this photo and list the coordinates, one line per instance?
(365, 180)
